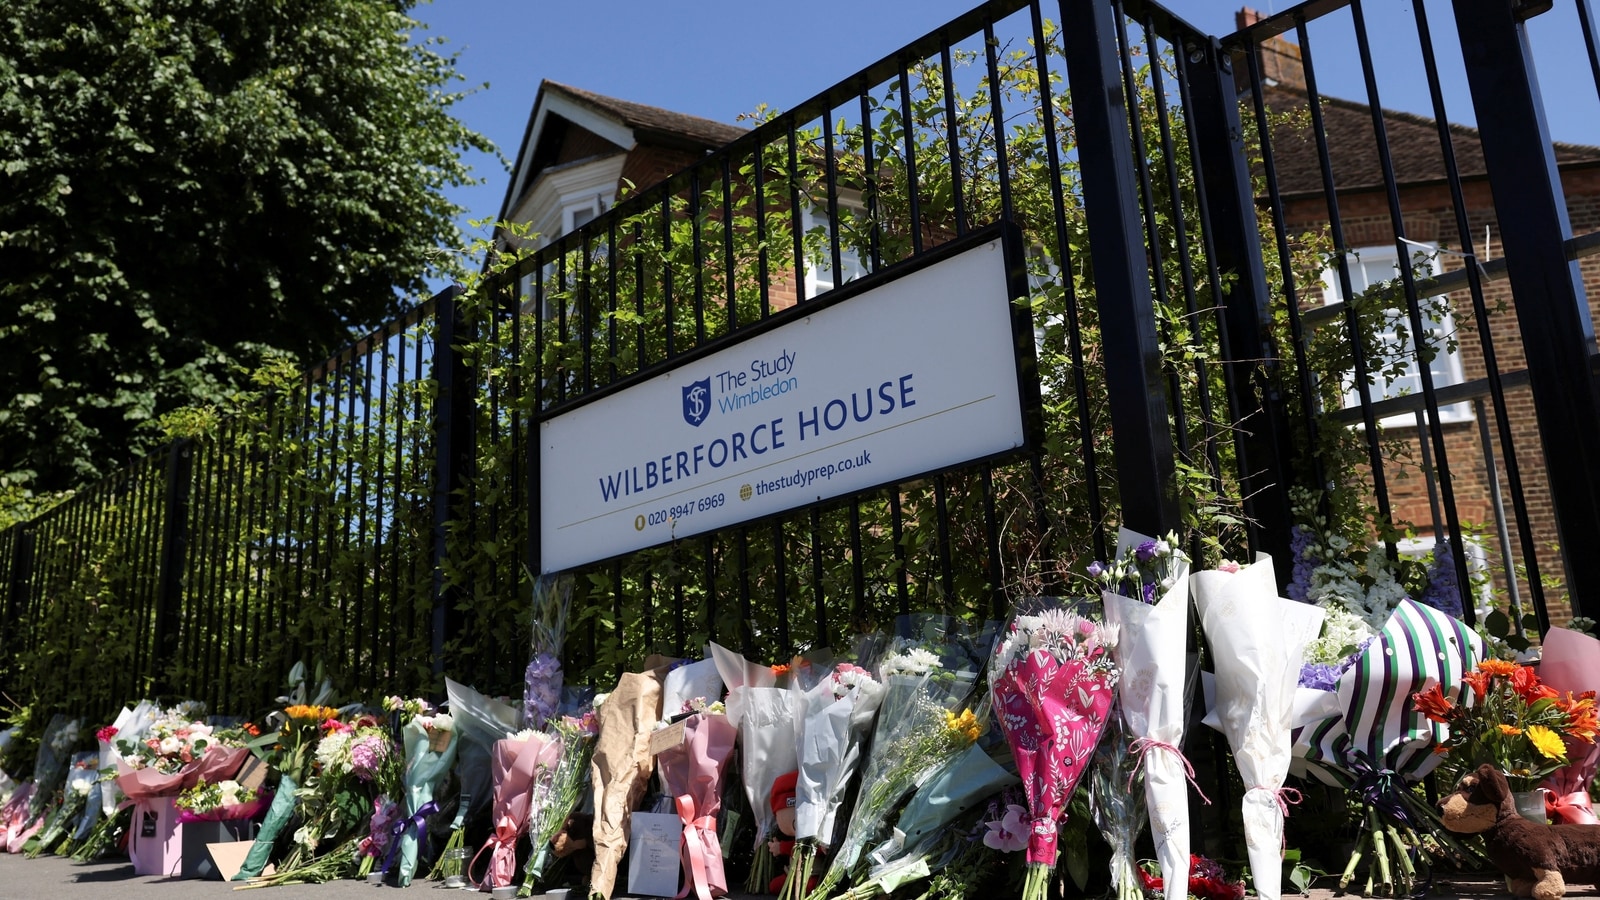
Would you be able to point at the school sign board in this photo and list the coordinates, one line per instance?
(901, 378)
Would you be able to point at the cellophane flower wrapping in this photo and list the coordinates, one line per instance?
(958, 787)
(1570, 663)
(1378, 741)
(691, 774)
(838, 712)
(620, 770)
(1053, 680)
(1116, 801)
(480, 721)
(1152, 693)
(291, 752)
(82, 775)
(763, 714)
(51, 764)
(430, 743)
(129, 725)
(1258, 642)
(542, 680)
(687, 682)
(221, 801)
(928, 674)
(555, 800)
(518, 764)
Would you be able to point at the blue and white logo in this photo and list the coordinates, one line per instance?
(697, 401)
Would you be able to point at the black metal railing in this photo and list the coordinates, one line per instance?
(380, 514)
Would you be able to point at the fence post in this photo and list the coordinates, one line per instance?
(1141, 434)
(1547, 287)
(1264, 443)
(454, 410)
(174, 546)
(21, 575)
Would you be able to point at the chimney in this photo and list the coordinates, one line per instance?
(1279, 59)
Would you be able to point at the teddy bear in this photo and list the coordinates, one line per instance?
(1537, 861)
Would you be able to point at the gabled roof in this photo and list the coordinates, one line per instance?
(1353, 146)
(621, 123)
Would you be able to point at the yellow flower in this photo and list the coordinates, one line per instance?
(1547, 742)
(1510, 729)
(965, 725)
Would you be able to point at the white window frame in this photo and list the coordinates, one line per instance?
(819, 273)
(1360, 261)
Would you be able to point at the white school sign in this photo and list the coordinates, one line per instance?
(916, 375)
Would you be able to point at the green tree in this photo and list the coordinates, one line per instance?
(190, 185)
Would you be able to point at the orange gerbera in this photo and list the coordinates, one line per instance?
(1510, 729)
(1526, 683)
(1497, 667)
(780, 669)
(1583, 721)
(1479, 682)
(1433, 704)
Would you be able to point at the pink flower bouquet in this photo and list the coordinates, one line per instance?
(692, 775)
(517, 763)
(1571, 663)
(1052, 681)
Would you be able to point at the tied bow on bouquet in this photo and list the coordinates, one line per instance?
(1052, 681)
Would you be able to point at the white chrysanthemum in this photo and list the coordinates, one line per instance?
(915, 661)
(442, 722)
(525, 734)
(333, 751)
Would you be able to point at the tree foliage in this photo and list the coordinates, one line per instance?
(191, 185)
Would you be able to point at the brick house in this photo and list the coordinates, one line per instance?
(1430, 222)
(580, 151)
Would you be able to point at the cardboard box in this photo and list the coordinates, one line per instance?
(197, 860)
(155, 843)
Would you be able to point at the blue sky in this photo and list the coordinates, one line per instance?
(720, 58)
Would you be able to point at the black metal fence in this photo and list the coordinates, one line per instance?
(381, 514)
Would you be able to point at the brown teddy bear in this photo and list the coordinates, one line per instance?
(1537, 860)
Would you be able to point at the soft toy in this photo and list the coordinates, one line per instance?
(782, 803)
(1537, 860)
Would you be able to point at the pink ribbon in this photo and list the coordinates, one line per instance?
(1142, 747)
(1282, 795)
(699, 833)
(502, 859)
(1573, 808)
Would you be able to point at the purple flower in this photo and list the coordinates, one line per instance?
(1444, 589)
(1145, 552)
(1320, 676)
(1149, 592)
(1096, 569)
(367, 753)
(1304, 563)
(1010, 833)
(541, 696)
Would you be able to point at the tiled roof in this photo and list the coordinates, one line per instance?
(653, 119)
(1353, 147)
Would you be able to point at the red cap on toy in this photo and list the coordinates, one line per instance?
(783, 791)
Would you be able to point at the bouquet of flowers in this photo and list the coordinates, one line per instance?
(290, 751)
(178, 752)
(430, 742)
(1116, 802)
(1145, 589)
(1258, 643)
(1052, 682)
(356, 762)
(541, 696)
(480, 721)
(520, 763)
(691, 773)
(555, 798)
(1378, 742)
(763, 713)
(619, 770)
(1571, 664)
(221, 801)
(49, 773)
(82, 776)
(837, 715)
(927, 677)
(1514, 721)
(955, 789)
(130, 726)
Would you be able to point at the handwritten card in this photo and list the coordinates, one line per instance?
(653, 854)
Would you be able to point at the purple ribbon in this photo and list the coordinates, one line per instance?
(1381, 789)
(418, 821)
